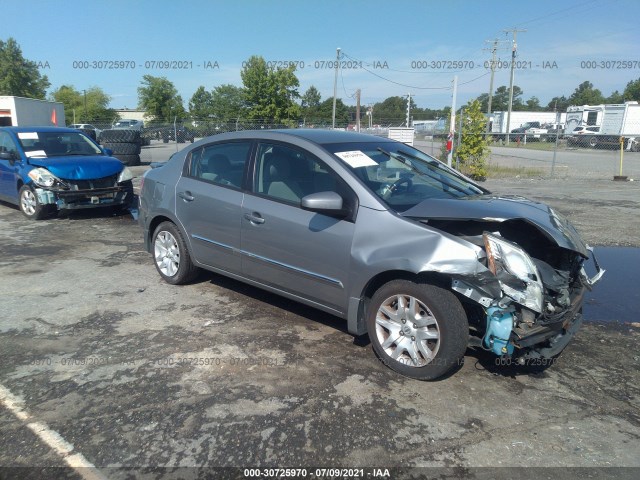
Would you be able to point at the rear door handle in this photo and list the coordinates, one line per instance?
(254, 218)
(186, 196)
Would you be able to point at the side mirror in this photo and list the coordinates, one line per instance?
(323, 202)
(8, 156)
(108, 152)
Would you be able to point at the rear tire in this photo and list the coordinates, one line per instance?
(171, 255)
(419, 330)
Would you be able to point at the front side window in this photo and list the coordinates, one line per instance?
(289, 174)
(220, 163)
(7, 144)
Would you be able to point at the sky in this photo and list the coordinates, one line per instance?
(388, 47)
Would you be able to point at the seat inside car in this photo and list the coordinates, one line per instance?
(278, 179)
(216, 169)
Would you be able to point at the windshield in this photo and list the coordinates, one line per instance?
(56, 144)
(400, 175)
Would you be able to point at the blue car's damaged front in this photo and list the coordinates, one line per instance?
(46, 169)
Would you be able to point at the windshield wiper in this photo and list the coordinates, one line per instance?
(443, 167)
(434, 175)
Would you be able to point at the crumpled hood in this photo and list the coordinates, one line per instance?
(502, 208)
(79, 167)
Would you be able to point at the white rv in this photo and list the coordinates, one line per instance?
(583, 116)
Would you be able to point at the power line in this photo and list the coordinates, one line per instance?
(415, 86)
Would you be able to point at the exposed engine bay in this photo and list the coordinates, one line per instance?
(530, 298)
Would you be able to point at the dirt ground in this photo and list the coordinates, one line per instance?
(134, 376)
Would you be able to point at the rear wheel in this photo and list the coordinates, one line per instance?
(30, 206)
(593, 141)
(171, 255)
(418, 330)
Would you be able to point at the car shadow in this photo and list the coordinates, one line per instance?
(276, 301)
(484, 360)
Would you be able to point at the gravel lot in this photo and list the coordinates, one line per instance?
(128, 371)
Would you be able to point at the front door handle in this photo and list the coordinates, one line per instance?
(254, 218)
(186, 196)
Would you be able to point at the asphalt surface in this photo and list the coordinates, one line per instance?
(103, 364)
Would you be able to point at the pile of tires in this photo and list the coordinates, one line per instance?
(124, 144)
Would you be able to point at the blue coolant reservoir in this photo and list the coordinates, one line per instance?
(499, 326)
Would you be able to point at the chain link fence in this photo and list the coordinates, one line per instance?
(587, 151)
(582, 153)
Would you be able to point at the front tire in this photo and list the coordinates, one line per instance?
(171, 255)
(30, 206)
(419, 330)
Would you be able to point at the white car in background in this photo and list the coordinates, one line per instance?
(86, 126)
(129, 124)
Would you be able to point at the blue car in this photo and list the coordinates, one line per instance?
(47, 169)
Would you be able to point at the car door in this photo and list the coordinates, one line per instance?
(208, 202)
(8, 168)
(304, 253)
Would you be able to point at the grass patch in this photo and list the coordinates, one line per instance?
(500, 171)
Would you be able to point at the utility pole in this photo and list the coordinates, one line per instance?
(408, 109)
(335, 88)
(514, 48)
(452, 124)
(493, 71)
(358, 110)
(86, 120)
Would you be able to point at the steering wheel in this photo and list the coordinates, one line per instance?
(391, 189)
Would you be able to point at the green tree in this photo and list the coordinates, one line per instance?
(632, 91)
(500, 99)
(18, 76)
(310, 102)
(200, 104)
(558, 104)
(393, 110)
(227, 102)
(325, 113)
(159, 97)
(270, 93)
(474, 148)
(615, 97)
(88, 106)
(311, 98)
(533, 104)
(585, 94)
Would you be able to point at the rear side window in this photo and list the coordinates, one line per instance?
(220, 163)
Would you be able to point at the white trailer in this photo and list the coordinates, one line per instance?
(583, 116)
(402, 134)
(518, 119)
(621, 120)
(20, 112)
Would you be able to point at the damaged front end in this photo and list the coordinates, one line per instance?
(71, 194)
(530, 295)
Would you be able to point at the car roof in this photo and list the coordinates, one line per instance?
(321, 137)
(43, 129)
